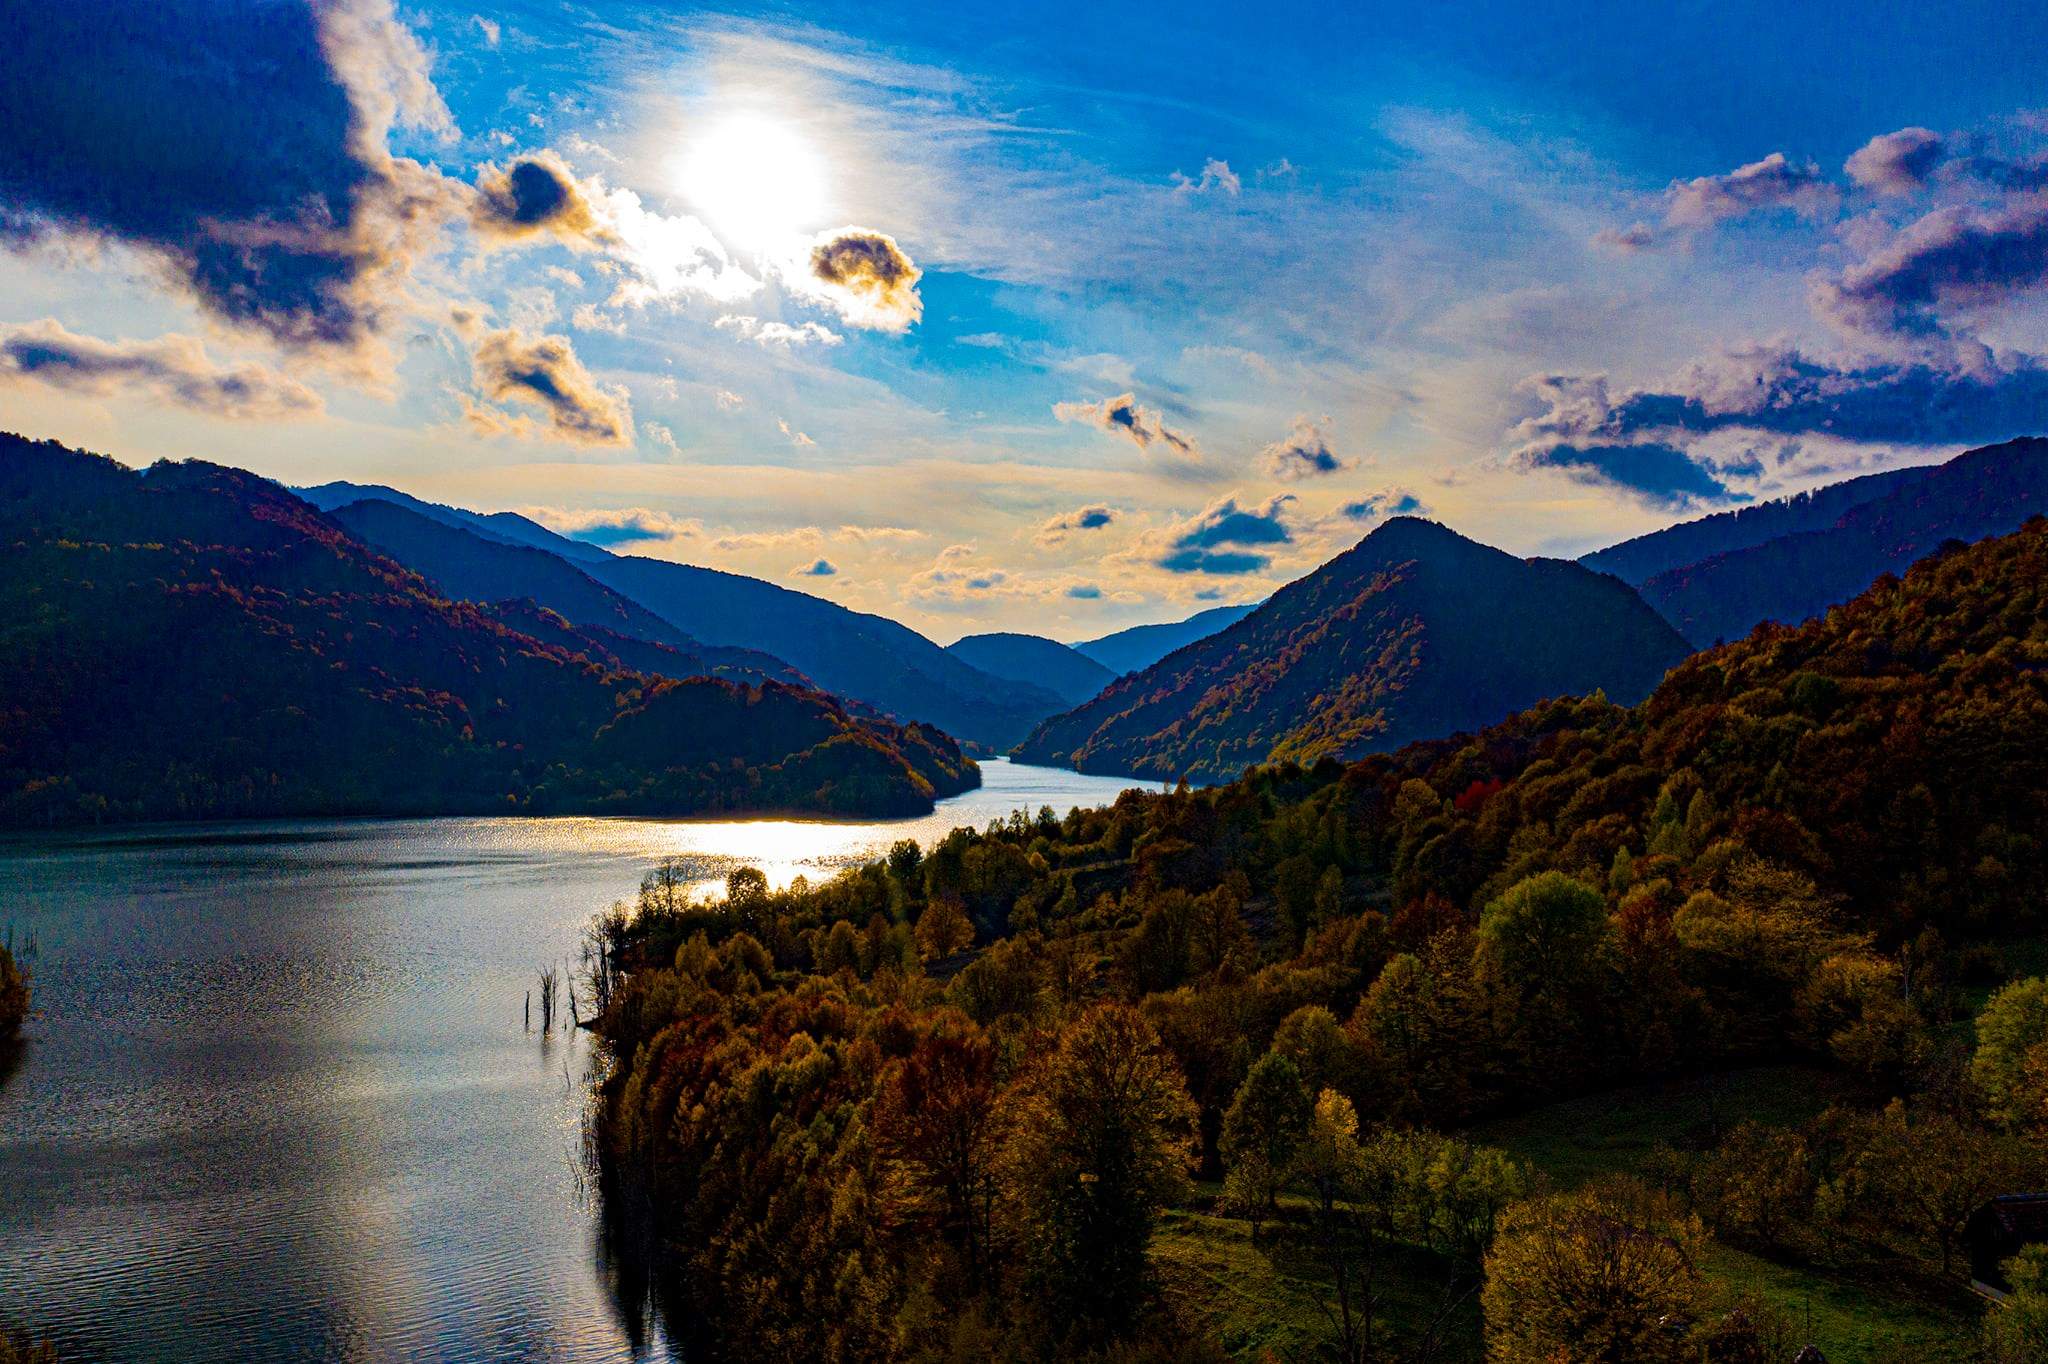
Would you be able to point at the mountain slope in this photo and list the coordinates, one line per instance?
(1986, 492)
(1413, 633)
(506, 527)
(1059, 668)
(1638, 560)
(849, 653)
(1127, 651)
(469, 565)
(196, 642)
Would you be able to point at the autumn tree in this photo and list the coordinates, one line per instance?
(2016, 1332)
(1756, 1184)
(935, 1124)
(746, 895)
(14, 998)
(1101, 1136)
(1262, 1131)
(2011, 1064)
(1924, 1173)
(943, 928)
(1605, 1275)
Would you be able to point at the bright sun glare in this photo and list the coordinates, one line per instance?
(756, 181)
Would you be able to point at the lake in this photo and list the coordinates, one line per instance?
(278, 1101)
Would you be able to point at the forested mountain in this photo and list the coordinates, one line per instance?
(862, 657)
(1638, 560)
(194, 642)
(1413, 633)
(992, 1059)
(1128, 651)
(468, 565)
(1985, 492)
(1059, 668)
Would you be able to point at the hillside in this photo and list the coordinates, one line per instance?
(1644, 557)
(468, 564)
(1059, 668)
(1985, 492)
(1128, 651)
(506, 527)
(196, 642)
(865, 658)
(1415, 632)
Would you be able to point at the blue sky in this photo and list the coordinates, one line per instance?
(1028, 317)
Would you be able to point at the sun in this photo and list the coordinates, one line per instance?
(755, 180)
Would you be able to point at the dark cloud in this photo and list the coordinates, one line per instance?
(1093, 517)
(1085, 592)
(867, 276)
(1221, 540)
(1385, 502)
(241, 145)
(818, 568)
(1304, 453)
(1951, 258)
(174, 369)
(536, 195)
(1659, 476)
(543, 372)
(1897, 163)
(1124, 416)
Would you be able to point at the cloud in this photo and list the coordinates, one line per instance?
(1637, 236)
(867, 278)
(242, 149)
(1773, 182)
(1382, 503)
(489, 28)
(728, 401)
(1897, 163)
(173, 369)
(1123, 416)
(796, 437)
(1084, 592)
(537, 195)
(609, 528)
(778, 335)
(1055, 531)
(543, 371)
(1659, 476)
(1203, 543)
(1951, 258)
(819, 568)
(1304, 453)
(1216, 176)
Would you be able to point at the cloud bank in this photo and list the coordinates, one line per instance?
(173, 369)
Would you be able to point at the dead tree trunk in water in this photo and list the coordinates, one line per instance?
(548, 981)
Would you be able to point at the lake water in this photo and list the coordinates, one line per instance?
(278, 1101)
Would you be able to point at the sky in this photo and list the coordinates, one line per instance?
(1025, 317)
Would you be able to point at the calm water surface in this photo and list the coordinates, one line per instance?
(278, 1101)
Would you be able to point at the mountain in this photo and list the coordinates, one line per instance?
(196, 642)
(865, 658)
(1986, 492)
(1059, 668)
(505, 527)
(1414, 632)
(469, 564)
(1637, 561)
(1128, 651)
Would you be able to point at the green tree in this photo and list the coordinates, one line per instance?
(2016, 1331)
(1101, 1136)
(1605, 1275)
(2011, 1065)
(746, 895)
(1262, 1130)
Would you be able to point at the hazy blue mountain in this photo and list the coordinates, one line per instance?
(469, 565)
(509, 527)
(1060, 668)
(1127, 651)
(1985, 492)
(1637, 561)
(1414, 633)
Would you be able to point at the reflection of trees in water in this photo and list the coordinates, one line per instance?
(650, 1305)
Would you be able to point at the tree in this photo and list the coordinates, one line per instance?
(1925, 1173)
(1101, 1136)
(1755, 1184)
(2016, 1331)
(1312, 1038)
(1605, 1275)
(1262, 1130)
(1544, 934)
(935, 1121)
(2011, 1065)
(746, 895)
(943, 928)
(1331, 1166)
